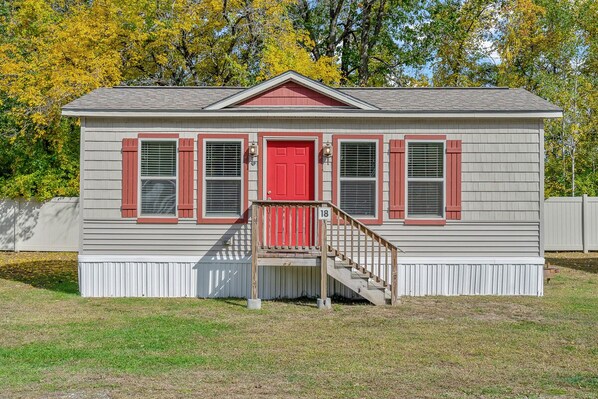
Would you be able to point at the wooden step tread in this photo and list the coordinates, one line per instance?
(287, 254)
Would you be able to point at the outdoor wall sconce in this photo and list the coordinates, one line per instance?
(253, 150)
(327, 150)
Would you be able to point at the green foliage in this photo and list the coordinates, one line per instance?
(549, 47)
(377, 42)
(44, 167)
(54, 51)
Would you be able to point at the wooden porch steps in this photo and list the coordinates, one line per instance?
(357, 282)
(354, 255)
(362, 283)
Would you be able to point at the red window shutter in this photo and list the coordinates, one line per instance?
(130, 177)
(397, 179)
(453, 179)
(185, 182)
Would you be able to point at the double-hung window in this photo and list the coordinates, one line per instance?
(223, 174)
(358, 176)
(425, 179)
(158, 177)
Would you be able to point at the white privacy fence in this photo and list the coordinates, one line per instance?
(34, 226)
(571, 224)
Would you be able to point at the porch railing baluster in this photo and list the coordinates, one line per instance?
(294, 226)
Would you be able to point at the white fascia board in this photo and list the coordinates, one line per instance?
(286, 77)
(313, 114)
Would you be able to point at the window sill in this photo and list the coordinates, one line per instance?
(425, 222)
(151, 220)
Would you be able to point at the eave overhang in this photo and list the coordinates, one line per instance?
(309, 113)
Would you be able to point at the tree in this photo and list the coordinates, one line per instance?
(52, 52)
(549, 47)
(49, 56)
(377, 42)
(465, 45)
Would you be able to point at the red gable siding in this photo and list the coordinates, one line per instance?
(291, 94)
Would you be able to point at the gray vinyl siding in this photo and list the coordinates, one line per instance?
(500, 192)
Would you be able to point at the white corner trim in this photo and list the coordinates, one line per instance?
(286, 77)
(413, 260)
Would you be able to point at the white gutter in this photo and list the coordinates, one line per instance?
(310, 114)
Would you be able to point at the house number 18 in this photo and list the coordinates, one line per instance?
(324, 213)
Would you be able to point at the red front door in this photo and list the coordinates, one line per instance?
(290, 177)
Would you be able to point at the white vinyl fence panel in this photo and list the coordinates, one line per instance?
(571, 224)
(35, 226)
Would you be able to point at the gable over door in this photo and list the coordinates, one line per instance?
(291, 94)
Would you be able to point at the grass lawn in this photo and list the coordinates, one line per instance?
(56, 344)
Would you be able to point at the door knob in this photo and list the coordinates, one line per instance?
(269, 192)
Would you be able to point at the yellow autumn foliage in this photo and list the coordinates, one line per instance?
(50, 57)
(53, 59)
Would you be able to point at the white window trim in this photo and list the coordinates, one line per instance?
(267, 139)
(241, 178)
(408, 179)
(375, 178)
(141, 178)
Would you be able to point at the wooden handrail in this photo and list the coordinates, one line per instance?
(294, 226)
(362, 226)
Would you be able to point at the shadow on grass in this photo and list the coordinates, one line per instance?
(588, 264)
(301, 301)
(56, 274)
(312, 302)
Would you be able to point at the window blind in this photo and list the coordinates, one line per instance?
(358, 159)
(158, 177)
(158, 158)
(358, 178)
(426, 160)
(358, 197)
(223, 197)
(425, 185)
(425, 198)
(223, 161)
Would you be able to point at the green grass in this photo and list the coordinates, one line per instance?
(55, 343)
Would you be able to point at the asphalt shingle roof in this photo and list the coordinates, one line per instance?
(386, 99)
(452, 99)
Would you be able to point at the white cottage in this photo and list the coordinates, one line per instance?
(292, 188)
